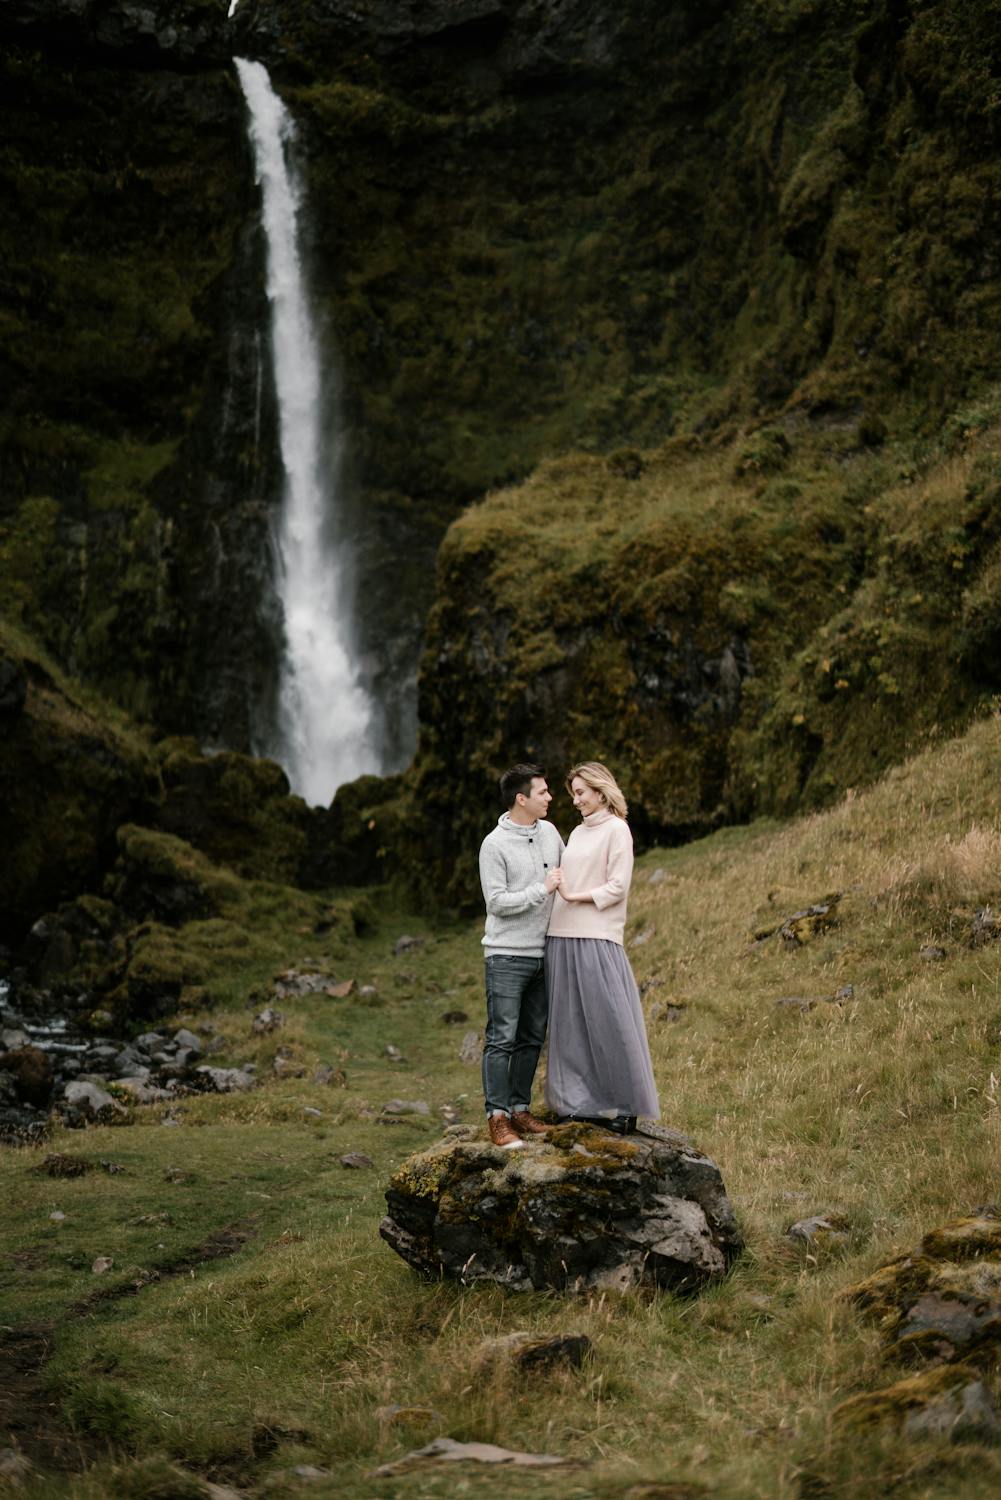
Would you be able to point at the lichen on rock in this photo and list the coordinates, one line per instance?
(581, 1208)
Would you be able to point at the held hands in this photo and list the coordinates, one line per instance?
(554, 879)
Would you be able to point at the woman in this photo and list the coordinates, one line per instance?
(599, 1062)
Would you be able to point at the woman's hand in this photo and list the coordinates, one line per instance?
(554, 879)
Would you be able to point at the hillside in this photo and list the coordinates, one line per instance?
(252, 1321)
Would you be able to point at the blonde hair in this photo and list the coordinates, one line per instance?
(600, 779)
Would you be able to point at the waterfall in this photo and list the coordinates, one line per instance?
(325, 733)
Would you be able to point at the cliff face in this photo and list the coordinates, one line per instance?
(541, 228)
(136, 460)
(738, 259)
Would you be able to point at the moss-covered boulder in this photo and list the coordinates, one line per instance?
(580, 1208)
(71, 771)
(236, 810)
(943, 1302)
(952, 1403)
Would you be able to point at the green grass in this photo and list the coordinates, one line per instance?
(237, 1367)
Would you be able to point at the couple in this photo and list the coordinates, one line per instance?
(553, 941)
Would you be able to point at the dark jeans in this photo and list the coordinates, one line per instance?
(517, 1012)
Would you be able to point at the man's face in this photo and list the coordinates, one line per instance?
(536, 804)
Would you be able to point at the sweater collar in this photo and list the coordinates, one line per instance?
(593, 819)
(526, 830)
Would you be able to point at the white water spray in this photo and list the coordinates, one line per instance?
(325, 734)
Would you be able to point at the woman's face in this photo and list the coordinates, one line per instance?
(585, 799)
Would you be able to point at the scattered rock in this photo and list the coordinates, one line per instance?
(447, 1450)
(286, 1065)
(13, 1039)
(932, 953)
(984, 928)
(102, 1264)
(406, 1107)
(640, 939)
(57, 1216)
(667, 1012)
(393, 1053)
(357, 1160)
(453, 1017)
(336, 1078)
(143, 1092)
(471, 1047)
(407, 944)
(311, 1113)
(269, 1019)
(228, 1080)
(308, 1472)
(581, 1208)
(340, 991)
(187, 1040)
(59, 1164)
(530, 1352)
(802, 926)
(949, 1402)
(293, 984)
(90, 1101)
(825, 1230)
(656, 876)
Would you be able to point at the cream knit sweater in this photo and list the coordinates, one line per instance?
(598, 859)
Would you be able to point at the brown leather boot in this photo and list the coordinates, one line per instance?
(501, 1134)
(526, 1124)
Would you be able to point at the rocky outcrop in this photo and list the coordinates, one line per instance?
(188, 34)
(582, 1208)
(938, 1307)
(68, 778)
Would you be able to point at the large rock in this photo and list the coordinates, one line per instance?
(581, 1208)
(943, 1301)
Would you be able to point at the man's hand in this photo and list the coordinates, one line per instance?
(554, 879)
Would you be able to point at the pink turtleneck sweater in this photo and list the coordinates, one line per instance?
(598, 859)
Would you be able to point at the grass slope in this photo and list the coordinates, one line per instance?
(238, 1366)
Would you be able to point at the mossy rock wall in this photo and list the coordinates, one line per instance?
(136, 432)
(537, 229)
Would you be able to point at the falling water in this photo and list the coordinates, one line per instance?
(325, 732)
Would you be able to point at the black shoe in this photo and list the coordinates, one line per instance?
(621, 1124)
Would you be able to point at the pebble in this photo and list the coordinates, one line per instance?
(58, 1216)
(407, 944)
(406, 1107)
(314, 1114)
(393, 1053)
(102, 1264)
(357, 1159)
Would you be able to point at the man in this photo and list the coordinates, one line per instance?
(519, 871)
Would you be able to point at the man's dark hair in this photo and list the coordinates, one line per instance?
(519, 779)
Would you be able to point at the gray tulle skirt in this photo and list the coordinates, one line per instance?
(599, 1061)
